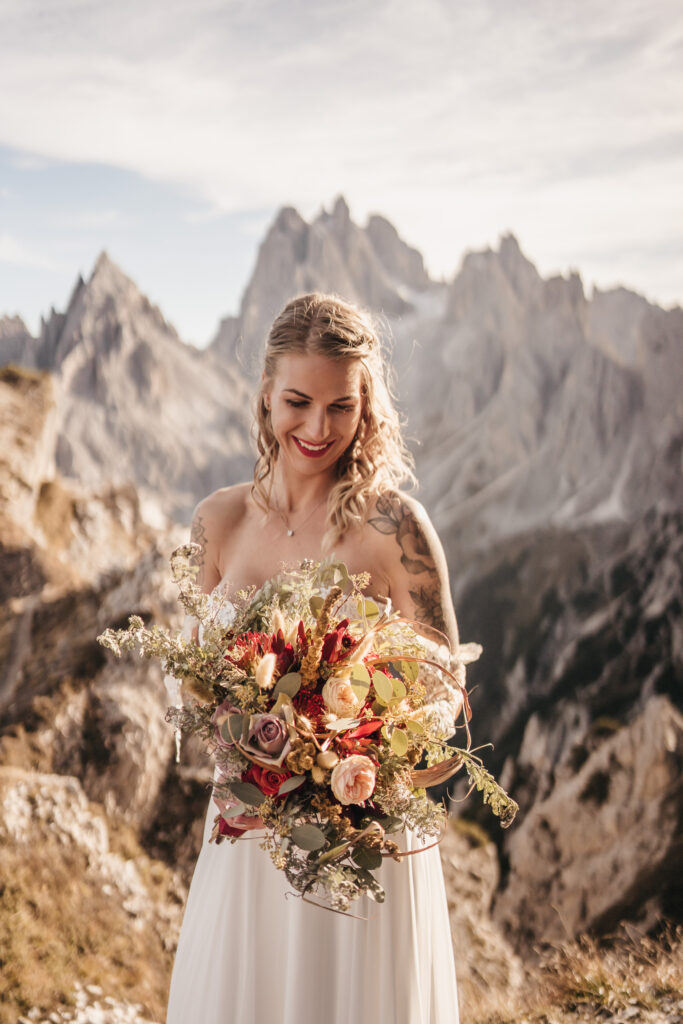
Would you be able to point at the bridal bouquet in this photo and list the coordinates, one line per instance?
(317, 707)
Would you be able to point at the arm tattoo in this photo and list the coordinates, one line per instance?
(198, 535)
(394, 517)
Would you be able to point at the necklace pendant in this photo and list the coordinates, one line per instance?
(290, 533)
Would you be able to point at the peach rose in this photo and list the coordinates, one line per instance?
(353, 779)
(339, 696)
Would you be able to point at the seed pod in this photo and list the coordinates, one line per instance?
(327, 759)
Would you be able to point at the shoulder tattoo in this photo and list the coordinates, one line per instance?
(395, 517)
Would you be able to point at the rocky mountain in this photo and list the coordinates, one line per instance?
(370, 265)
(134, 404)
(552, 435)
(551, 429)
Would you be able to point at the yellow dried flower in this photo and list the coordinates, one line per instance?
(311, 660)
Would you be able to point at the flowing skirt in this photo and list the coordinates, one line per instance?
(252, 954)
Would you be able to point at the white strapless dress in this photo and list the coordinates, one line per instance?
(252, 952)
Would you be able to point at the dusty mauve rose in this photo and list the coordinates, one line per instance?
(339, 696)
(219, 716)
(268, 733)
(353, 780)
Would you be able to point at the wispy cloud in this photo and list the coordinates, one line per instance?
(14, 250)
(561, 122)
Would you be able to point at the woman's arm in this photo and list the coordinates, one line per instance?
(416, 570)
(414, 563)
(204, 531)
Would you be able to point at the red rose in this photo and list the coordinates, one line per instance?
(265, 779)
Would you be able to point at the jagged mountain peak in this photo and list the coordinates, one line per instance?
(288, 218)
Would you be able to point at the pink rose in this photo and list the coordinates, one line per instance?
(353, 779)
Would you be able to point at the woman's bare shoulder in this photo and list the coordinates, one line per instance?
(223, 507)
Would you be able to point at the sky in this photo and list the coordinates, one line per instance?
(169, 133)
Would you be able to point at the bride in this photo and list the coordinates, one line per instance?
(331, 458)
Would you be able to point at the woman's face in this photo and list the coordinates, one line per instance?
(315, 405)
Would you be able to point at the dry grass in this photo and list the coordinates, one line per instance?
(60, 924)
(588, 980)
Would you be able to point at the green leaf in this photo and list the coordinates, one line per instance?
(360, 674)
(308, 837)
(368, 859)
(399, 742)
(410, 670)
(289, 684)
(293, 782)
(383, 687)
(360, 689)
(247, 793)
(334, 852)
(399, 688)
(367, 609)
(390, 823)
(415, 726)
(386, 732)
(233, 723)
(315, 604)
(232, 812)
(341, 575)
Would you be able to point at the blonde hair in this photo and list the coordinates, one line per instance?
(377, 460)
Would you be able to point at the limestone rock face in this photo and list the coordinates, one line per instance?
(369, 265)
(28, 431)
(134, 404)
(605, 843)
(17, 345)
(588, 627)
(484, 958)
(86, 905)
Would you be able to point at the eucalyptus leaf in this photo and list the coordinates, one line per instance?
(248, 793)
(415, 726)
(289, 684)
(341, 575)
(360, 674)
(315, 604)
(410, 670)
(293, 782)
(369, 859)
(390, 823)
(308, 837)
(367, 608)
(386, 732)
(232, 812)
(336, 851)
(399, 742)
(399, 688)
(232, 724)
(383, 687)
(360, 688)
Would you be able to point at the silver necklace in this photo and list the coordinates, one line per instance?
(290, 531)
